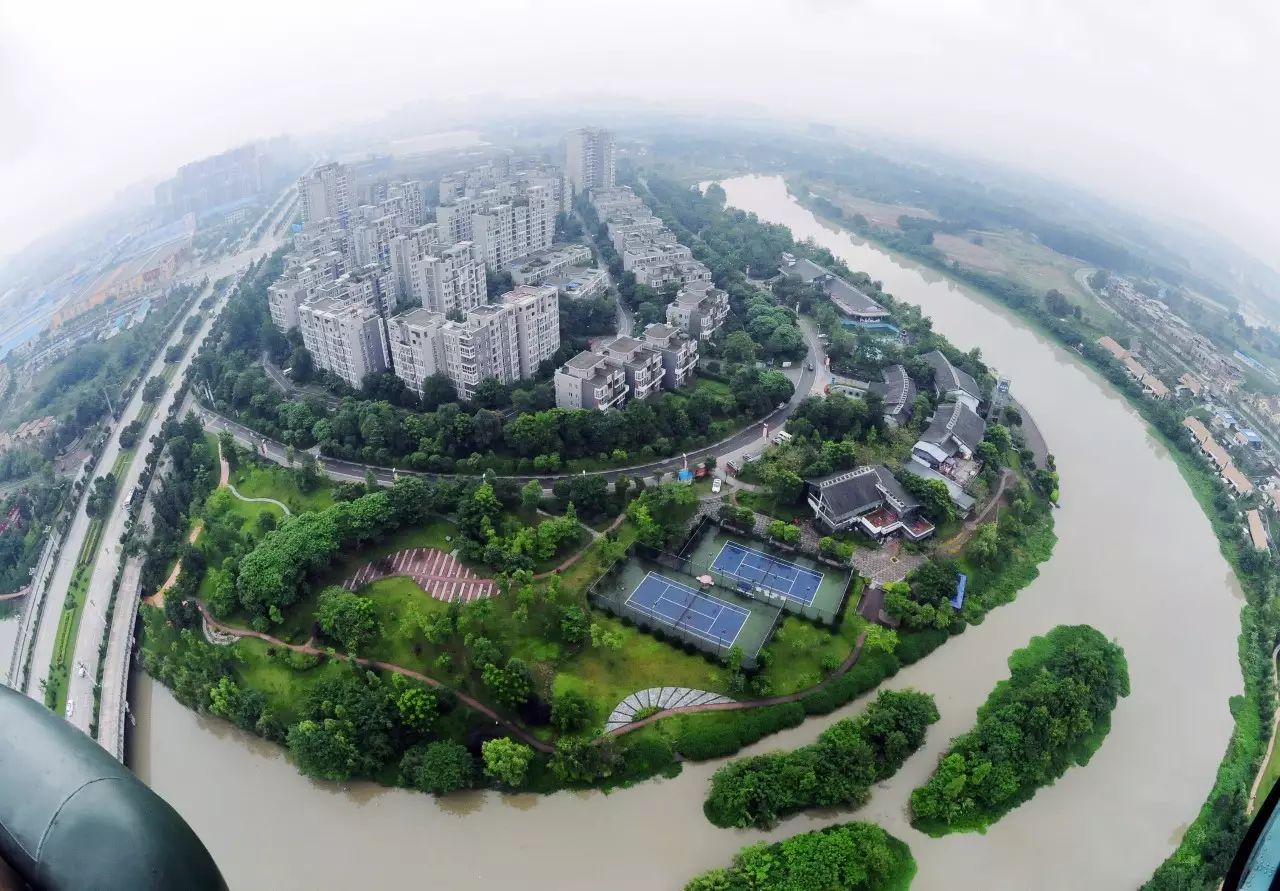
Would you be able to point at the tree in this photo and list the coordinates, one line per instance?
(416, 704)
(152, 389)
(984, 549)
(933, 495)
(739, 347)
(437, 390)
(439, 767)
(570, 711)
(324, 749)
(506, 760)
(531, 494)
(511, 685)
(602, 638)
(348, 618)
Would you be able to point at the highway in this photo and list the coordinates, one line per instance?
(92, 628)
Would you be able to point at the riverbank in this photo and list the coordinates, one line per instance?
(1243, 759)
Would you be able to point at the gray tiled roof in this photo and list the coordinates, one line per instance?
(948, 377)
(860, 489)
(897, 391)
(958, 420)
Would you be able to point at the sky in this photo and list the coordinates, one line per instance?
(1167, 106)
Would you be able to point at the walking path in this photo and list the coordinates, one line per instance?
(280, 504)
(958, 541)
(668, 698)
(471, 702)
(732, 705)
(576, 556)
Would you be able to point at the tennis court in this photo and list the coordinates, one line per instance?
(672, 603)
(756, 568)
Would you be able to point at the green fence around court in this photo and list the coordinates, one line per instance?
(613, 589)
(705, 542)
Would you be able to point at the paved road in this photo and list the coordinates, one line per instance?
(92, 627)
(751, 441)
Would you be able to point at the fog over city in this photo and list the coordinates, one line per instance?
(1165, 106)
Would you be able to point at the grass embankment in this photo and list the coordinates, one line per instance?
(60, 666)
(272, 481)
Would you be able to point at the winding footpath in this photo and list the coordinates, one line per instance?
(307, 649)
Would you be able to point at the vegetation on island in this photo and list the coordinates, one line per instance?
(1052, 712)
(836, 771)
(850, 856)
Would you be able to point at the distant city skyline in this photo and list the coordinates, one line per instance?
(1157, 112)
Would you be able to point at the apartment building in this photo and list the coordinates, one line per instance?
(485, 345)
(409, 192)
(699, 308)
(324, 192)
(540, 266)
(591, 381)
(589, 159)
(504, 232)
(536, 314)
(642, 365)
(446, 279)
(678, 350)
(454, 218)
(416, 346)
(283, 298)
(347, 339)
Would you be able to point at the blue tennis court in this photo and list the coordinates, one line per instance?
(756, 568)
(709, 618)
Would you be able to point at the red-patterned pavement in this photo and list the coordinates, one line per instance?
(439, 574)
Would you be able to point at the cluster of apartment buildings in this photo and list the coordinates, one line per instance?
(1151, 384)
(627, 368)
(651, 252)
(1222, 373)
(379, 287)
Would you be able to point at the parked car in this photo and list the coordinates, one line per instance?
(716, 485)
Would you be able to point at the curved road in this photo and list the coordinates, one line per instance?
(749, 441)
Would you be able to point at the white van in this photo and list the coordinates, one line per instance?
(783, 436)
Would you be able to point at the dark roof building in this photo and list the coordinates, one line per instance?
(869, 498)
(955, 429)
(951, 383)
(897, 392)
(848, 299)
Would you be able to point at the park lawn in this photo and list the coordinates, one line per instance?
(799, 650)
(271, 481)
(763, 503)
(284, 685)
(715, 388)
(607, 677)
(250, 511)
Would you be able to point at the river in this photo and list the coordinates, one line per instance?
(1136, 558)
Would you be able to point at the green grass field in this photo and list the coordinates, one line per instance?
(270, 481)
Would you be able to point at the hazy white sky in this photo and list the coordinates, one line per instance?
(1166, 103)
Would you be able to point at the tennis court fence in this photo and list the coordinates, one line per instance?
(816, 612)
(613, 590)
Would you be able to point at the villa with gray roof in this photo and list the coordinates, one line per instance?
(952, 384)
(897, 392)
(679, 353)
(955, 430)
(699, 308)
(867, 498)
(848, 299)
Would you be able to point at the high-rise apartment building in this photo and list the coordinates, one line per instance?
(536, 311)
(324, 192)
(503, 232)
(409, 192)
(448, 279)
(485, 345)
(416, 346)
(589, 159)
(347, 339)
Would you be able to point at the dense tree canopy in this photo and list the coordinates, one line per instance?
(1051, 713)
